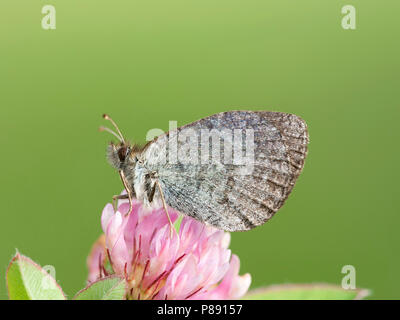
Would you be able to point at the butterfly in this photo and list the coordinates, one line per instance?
(232, 170)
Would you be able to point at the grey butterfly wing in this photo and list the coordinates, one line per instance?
(230, 195)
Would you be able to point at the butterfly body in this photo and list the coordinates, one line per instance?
(232, 170)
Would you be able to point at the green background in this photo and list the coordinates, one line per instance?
(147, 62)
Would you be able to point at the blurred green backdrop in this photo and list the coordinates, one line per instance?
(147, 62)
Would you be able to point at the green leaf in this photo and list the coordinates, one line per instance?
(306, 292)
(26, 280)
(109, 288)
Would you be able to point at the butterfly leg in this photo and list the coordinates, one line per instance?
(171, 226)
(116, 198)
(128, 191)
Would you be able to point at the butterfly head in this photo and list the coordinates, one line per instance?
(120, 154)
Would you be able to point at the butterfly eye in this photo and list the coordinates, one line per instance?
(122, 153)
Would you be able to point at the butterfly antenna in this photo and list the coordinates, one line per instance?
(110, 131)
(107, 117)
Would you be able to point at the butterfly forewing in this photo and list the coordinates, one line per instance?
(232, 170)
